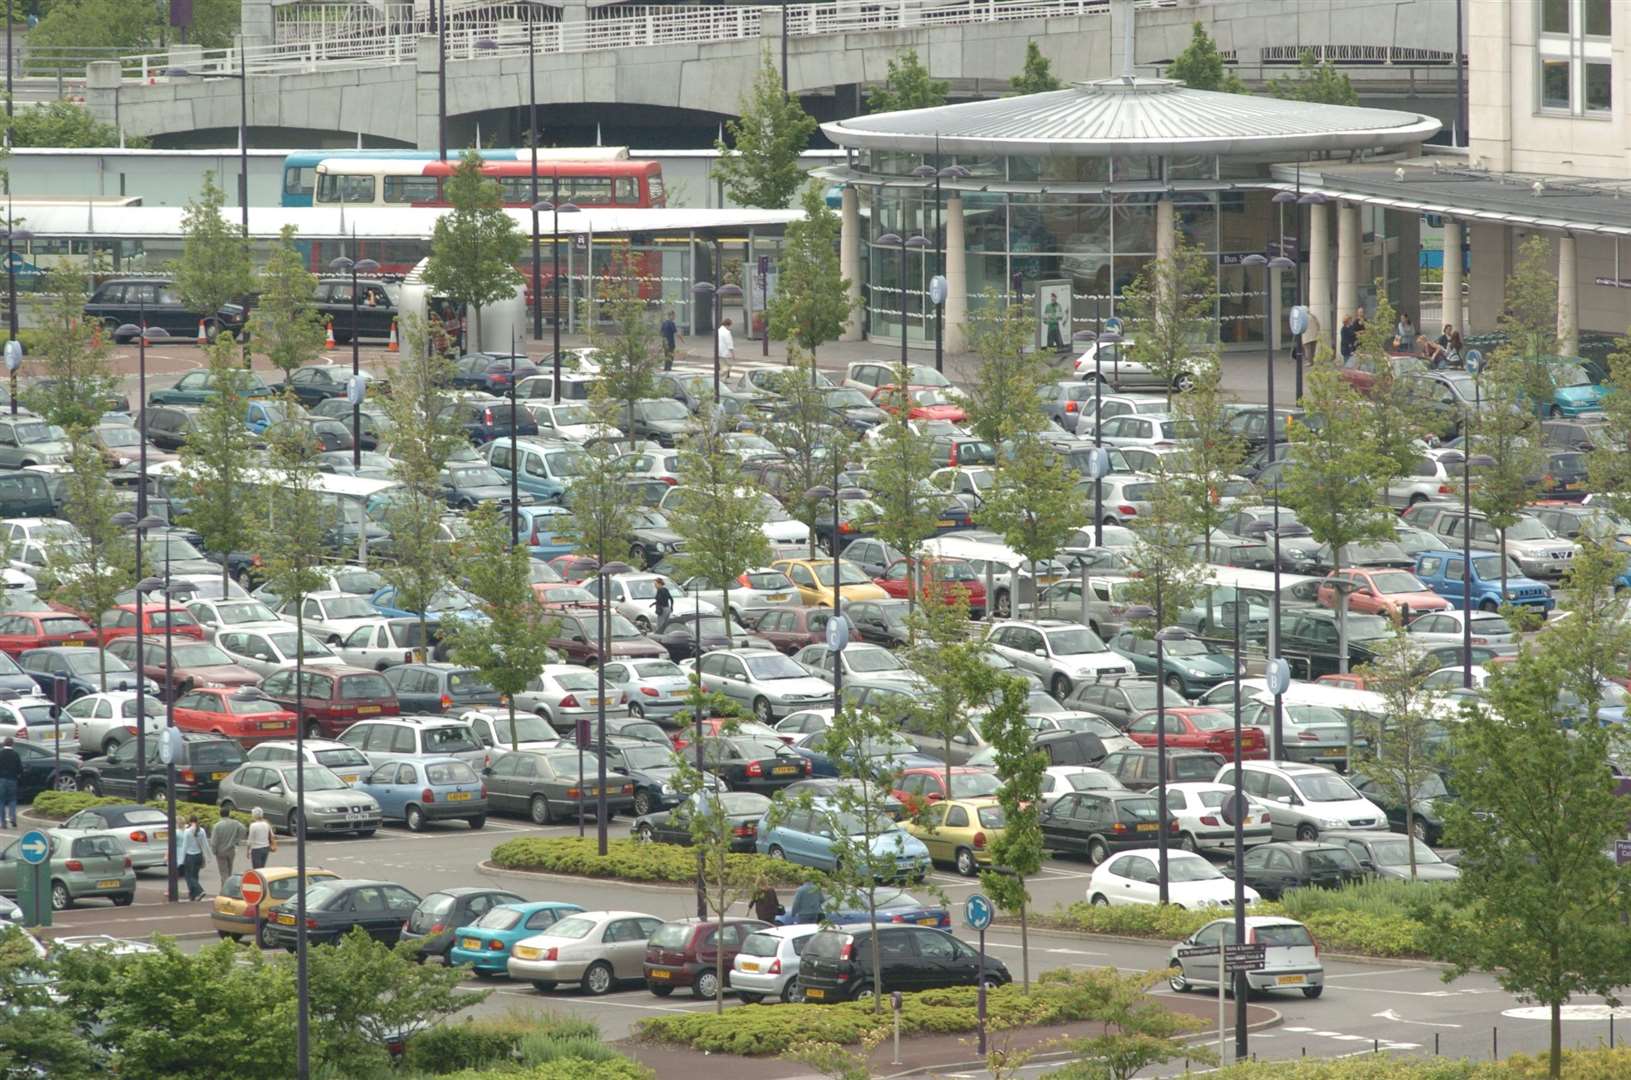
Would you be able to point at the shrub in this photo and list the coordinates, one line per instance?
(614, 1068)
(544, 1049)
(629, 860)
(466, 1045)
(59, 805)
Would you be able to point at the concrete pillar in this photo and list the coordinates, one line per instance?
(1347, 260)
(1452, 312)
(1406, 265)
(102, 90)
(1319, 275)
(575, 11)
(849, 261)
(1568, 298)
(425, 57)
(956, 275)
(1490, 247)
(258, 27)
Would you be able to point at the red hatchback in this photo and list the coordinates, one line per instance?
(1195, 728)
(686, 953)
(919, 786)
(574, 569)
(922, 403)
(24, 630)
(250, 717)
(120, 622)
(333, 698)
(956, 574)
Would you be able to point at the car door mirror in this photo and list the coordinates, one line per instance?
(1039, 652)
(1284, 800)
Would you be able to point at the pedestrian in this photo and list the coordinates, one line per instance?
(1444, 338)
(1430, 351)
(663, 601)
(225, 836)
(194, 842)
(1348, 339)
(767, 905)
(727, 343)
(1406, 329)
(1052, 316)
(671, 336)
(261, 841)
(11, 776)
(1359, 322)
(1453, 351)
(807, 902)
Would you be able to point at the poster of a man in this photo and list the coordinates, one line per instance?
(1053, 329)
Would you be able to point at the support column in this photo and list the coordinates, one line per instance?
(1452, 312)
(849, 261)
(1347, 260)
(1492, 257)
(425, 57)
(956, 275)
(102, 80)
(1568, 298)
(1319, 276)
(1166, 229)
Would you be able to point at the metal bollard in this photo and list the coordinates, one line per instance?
(894, 1003)
(1495, 1044)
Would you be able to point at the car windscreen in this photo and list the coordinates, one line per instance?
(316, 779)
(1325, 787)
(499, 918)
(200, 655)
(867, 661)
(449, 739)
(341, 759)
(364, 688)
(1327, 859)
(973, 785)
(244, 611)
(216, 753)
(1189, 767)
(767, 667)
(1074, 642)
(310, 646)
(251, 706)
(1192, 869)
(1136, 810)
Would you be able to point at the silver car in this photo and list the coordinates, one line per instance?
(760, 587)
(143, 830)
(1059, 653)
(1445, 628)
(764, 680)
(565, 693)
(217, 615)
(1538, 552)
(270, 647)
(346, 762)
(107, 721)
(634, 596)
(1113, 364)
(655, 689)
(330, 805)
(596, 949)
(28, 440)
(1124, 498)
(380, 643)
(768, 965)
(492, 729)
(1154, 429)
(1429, 479)
(389, 738)
(330, 616)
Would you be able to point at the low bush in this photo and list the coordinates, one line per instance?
(629, 860)
(1598, 1064)
(614, 1068)
(60, 805)
(467, 1045)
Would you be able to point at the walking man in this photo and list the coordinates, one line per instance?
(261, 841)
(663, 601)
(225, 836)
(671, 336)
(727, 345)
(11, 777)
(194, 841)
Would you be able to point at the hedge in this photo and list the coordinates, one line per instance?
(59, 805)
(630, 860)
(562, 1069)
(1597, 1064)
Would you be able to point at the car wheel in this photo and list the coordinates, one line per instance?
(415, 818)
(1060, 686)
(1097, 852)
(1418, 497)
(1100, 900)
(124, 899)
(966, 864)
(791, 994)
(1488, 605)
(155, 792)
(478, 821)
(1176, 980)
(1176, 685)
(1188, 842)
(749, 999)
(64, 781)
(1111, 519)
(1313, 991)
(640, 556)
(660, 991)
(263, 936)
(543, 986)
(61, 898)
(597, 980)
(1306, 831)
(538, 810)
(643, 803)
(645, 834)
(295, 823)
(761, 710)
(776, 852)
(1184, 383)
(1556, 414)
(863, 992)
(636, 710)
(110, 744)
(1418, 829)
(314, 730)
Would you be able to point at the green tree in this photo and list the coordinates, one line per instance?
(1037, 75)
(1593, 645)
(74, 356)
(1200, 66)
(1397, 418)
(760, 164)
(1539, 905)
(214, 268)
(599, 495)
(1004, 398)
(215, 465)
(1503, 437)
(93, 568)
(64, 123)
(1016, 853)
(475, 245)
(1211, 459)
(809, 437)
(125, 26)
(1033, 504)
(1166, 576)
(896, 467)
(951, 665)
(37, 1035)
(285, 325)
(1609, 461)
(718, 515)
(812, 302)
(1315, 81)
(1138, 1030)
(1529, 319)
(1170, 309)
(907, 86)
(1398, 748)
(628, 355)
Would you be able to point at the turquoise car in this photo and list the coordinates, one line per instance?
(1573, 392)
(485, 944)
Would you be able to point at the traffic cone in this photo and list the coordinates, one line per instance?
(329, 343)
(393, 346)
(203, 339)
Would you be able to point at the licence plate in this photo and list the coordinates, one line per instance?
(109, 883)
(458, 796)
(1335, 751)
(285, 920)
(349, 779)
(750, 965)
(931, 921)
(367, 710)
(218, 776)
(659, 973)
(162, 834)
(470, 943)
(271, 725)
(1147, 827)
(1289, 980)
(596, 700)
(776, 598)
(73, 642)
(946, 523)
(814, 992)
(785, 770)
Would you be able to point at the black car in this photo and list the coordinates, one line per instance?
(375, 310)
(744, 809)
(80, 667)
(155, 301)
(204, 762)
(648, 766)
(690, 633)
(836, 964)
(1309, 640)
(1139, 769)
(1580, 435)
(317, 383)
(637, 729)
(881, 622)
(662, 420)
(45, 770)
(445, 910)
(320, 434)
(1066, 747)
(1565, 476)
(494, 373)
(1387, 854)
(747, 764)
(335, 905)
(1100, 823)
(15, 680)
(439, 688)
(485, 418)
(169, 426)
(650, 538)
(1273, 868)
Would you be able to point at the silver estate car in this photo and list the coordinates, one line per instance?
(595, 949)
(331, 805)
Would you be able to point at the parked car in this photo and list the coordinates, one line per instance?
(809, 837)
(421, 791)
(1099, 824)
(1133, 877)
(156, 303)
(244, 714)
(1291, 959)
(836, 964)
(484, 941)
(1387, 855)
(1140, 769)
(232, 917)
(433, 923)
(82, 865)
(1199, 728)
(1442, 571)
(394, 738)
(331, 699)
(143, 830)
(546, 786)
(336, 906)
(1198, 808)
(768, 964)
(744, 809)
(205, 761)
(686, 952)
(347, 762)
(595, 949)
(1304, 800)
(1274, 868)
(959, 832)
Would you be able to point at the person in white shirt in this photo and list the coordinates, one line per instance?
(261, 841)
(727, 342)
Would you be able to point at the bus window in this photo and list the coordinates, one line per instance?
(410, 189)
(587, 190)
(654, 189)
(626, 190)
(298, 180)
(345, 189)
(517, 190)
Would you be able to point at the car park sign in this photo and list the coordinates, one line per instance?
(977, 912)
(35, 847)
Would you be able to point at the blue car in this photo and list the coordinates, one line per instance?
(1573, 392)
(1441, 571)
(263, 414)
(546, 530)
(806, 837)
(485, 944)
(422, 790)
(893, 907)
(449, 602)
(899, 749)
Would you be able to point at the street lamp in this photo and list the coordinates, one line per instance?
(555, 208)
(161, 586)
(915, 243)
(13, 235)
(948, 172)
(124, 519)
(532, 141)
(1162, 636)
(1466, 520)
(354, 267)
(1239, 799)
(720, 293)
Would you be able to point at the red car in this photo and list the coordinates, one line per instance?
(715, 725)
(574, 568)
(195, 663)
(957, 574)
(1383, 592)
(333, 698)
(1195, 728)
(248, 717)
(917, 787)
(790, 628)
(686, 953)
(24, 630)
(922, 403)
(120, 622)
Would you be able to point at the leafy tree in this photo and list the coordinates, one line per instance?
(760, 165)
(599, 495)
(1212, 457)
(1398, 748)
(1033, 504)
(812, 302)
(1503, 437)
(1317, 82)
(1592, 645)
(1016, 853)
(1165, 574)
(93, 568)
(1037, 75)
(215, 464)
(74, 355)
(1200, 65)
(126, 26)
(475, 245)
(1609, 461)
(1138, 1030)
(285, 326)
(807, 433)
(64, 123)
(957, 680)
(1530, 322)
(511, 645)
(628, 356)
(1169, 309)
(1539, 905)
(720, 516)
(907, 86)
(37, 1035)
(838, 1062)
(214, 268)
(1397, 420)
(899, 460)
(1004, 399)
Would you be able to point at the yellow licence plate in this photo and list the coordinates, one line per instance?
(218, 776)
(946, 523)
(1289, 980)
(785, 770)
(813, 992)
(349, 779)
(367, 710)
(776, 598)
(1147, 827)
(271, 725)
(470, 943)
(162, 834)
(109, 883)
(659, 973)
(285, 920)
(73, 642)
(930, 921)
(750, 965)
(458, 796)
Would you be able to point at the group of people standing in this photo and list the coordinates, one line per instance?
(1447, 351)
(220, 843)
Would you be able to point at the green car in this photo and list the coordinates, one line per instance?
(83, 864)
(197, 387)
(1190, 667)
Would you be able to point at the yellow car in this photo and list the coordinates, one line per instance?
(233, 918)
(813, 580)
(959, 831)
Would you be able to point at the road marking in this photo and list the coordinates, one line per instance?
(1389, 1014)
(1339, 1036)
(620, 1004)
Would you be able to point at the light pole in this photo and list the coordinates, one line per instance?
(344, 265)
(162, 587)
(515, 460)
(1162, 636)
(915, 243)
(555, 208)
(128, 521)
(1241, 986)
(13, 235)
(1101, 339)
(705, 289)
(1466, 529)
(1297, 200)
(948, 172)
(440, 15)
(532, 141)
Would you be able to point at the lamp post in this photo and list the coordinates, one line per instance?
(354, 267)
(1101, 339)
(139, 525)
(12, 236)
(915, 243)
(1241, 986)
(532, 141)
(1162, 636)
(162, 587)
(440, 15)
(1297, 200)
(1466, 528)
(947, 172)
(703, 290)
(555, 208)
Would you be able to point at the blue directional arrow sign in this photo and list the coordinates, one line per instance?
(35, 847)
(977, 912)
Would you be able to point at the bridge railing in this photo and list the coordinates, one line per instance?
(845, 16)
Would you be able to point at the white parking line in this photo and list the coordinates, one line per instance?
(608, 1001)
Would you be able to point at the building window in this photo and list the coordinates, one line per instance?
(1576, 73)
(1554, 84)
(1599, 20)
(1599, 87)
(1554, 16)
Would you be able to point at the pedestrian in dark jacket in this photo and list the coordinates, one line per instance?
(11, 778)
(663, 600)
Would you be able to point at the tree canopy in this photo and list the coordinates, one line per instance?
(759, 164)
(907, 86)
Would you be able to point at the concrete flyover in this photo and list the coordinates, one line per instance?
(379, 79)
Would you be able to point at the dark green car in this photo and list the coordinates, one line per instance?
(1190, 667)
(197, 387)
